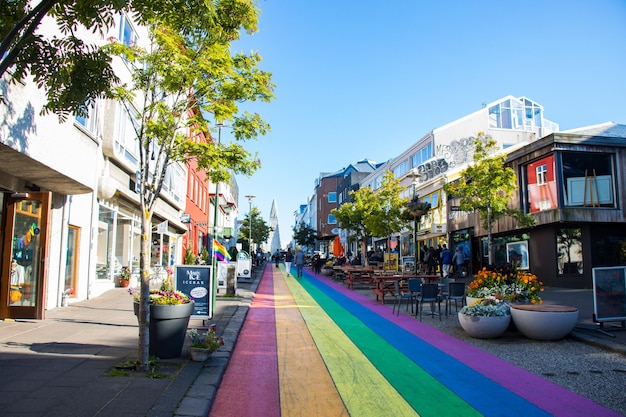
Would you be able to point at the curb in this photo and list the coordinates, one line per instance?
(205, 377)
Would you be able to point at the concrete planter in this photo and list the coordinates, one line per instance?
(484, 327)
(544, 322)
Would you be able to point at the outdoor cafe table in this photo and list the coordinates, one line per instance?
(357, 274)
(384, 283)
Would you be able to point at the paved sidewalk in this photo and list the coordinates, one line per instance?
(58, 366)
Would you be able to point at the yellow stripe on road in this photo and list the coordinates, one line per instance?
(306, 388)
(364, 390)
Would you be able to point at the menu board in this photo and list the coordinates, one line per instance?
(197, 281)
(609, 293)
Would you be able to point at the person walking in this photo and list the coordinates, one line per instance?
(431, 259)
(288, 260)
(446, 261)
(457, 259)
(277, 257)
(299, 260)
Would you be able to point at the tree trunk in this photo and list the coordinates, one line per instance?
(364, 251)
(143, 317)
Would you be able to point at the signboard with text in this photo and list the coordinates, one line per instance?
(197, 281)
(609, 294)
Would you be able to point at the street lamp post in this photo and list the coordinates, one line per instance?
(250, 198)
(414, 177)
(219, 125)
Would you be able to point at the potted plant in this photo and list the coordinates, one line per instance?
(485, 318)
(505, 284)
(327, 268)
(204, 344)
(124, 277)
(170, 311)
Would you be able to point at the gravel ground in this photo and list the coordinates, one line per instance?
(593, 372)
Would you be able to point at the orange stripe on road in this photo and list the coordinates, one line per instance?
(306, 388)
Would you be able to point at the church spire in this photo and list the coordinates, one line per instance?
(275, 234)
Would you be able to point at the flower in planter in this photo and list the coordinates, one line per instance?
(487, 307)
(209, 340)
(506, 284)
(166, 295)
(125, 274)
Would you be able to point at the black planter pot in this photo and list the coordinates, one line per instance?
(168, 328)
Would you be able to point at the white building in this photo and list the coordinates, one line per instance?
(443, 152)
(68, 199)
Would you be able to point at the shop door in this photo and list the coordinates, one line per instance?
(23, 268)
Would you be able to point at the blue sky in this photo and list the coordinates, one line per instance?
(363, 79)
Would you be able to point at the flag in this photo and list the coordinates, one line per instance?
(220, 251)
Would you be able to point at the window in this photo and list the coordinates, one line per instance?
(569, 251)
(126, 142)
(173, 183)
(332, 197)
(127, 35)
(588, 179)
(433, 199)
(89, 122)
(541, 185)
(422, 155)
(401, 169)
(332, 219)
(541, 175)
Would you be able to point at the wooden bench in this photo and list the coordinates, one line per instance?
(353, 277)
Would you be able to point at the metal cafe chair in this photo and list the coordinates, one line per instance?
(456, 293)
(429, 294)
(400, 295)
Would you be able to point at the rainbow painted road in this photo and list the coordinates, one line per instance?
(310, 347)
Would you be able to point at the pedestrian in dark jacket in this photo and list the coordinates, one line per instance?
(446, 261)
(431, 256)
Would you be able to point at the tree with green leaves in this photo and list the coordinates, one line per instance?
(386, 216)
(304, 235)
(487, 186)
(186, 73)
(374, 212)
(73, 73)
(260, 230)
(351, 216)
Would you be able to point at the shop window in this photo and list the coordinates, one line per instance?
(588, 179)
(106, 228)
(569, 251)
(541, 184)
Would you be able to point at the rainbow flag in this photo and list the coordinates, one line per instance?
(220, 251)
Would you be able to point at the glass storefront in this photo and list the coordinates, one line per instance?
(119, 243)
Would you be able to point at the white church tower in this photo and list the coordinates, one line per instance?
(275, 234)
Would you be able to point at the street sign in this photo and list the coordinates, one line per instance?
(161, 228)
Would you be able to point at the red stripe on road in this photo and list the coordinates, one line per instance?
(250, 384)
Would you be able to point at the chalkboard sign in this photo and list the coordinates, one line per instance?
(197, 281)
(609, 293)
